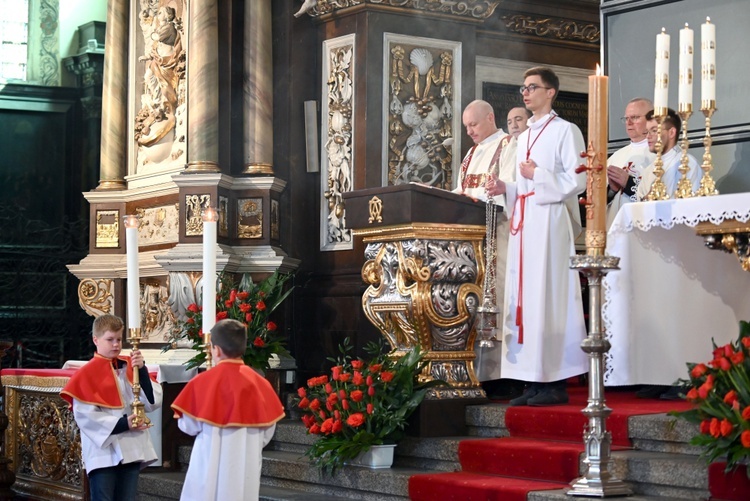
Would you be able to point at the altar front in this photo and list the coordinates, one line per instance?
(672, 295)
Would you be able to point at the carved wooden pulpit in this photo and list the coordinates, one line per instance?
(424, 263)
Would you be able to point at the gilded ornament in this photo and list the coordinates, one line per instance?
(194, 206)
(376, 210)
(548, 27)
(107, 229)
(96, 296)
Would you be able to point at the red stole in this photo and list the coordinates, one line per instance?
(230, 395)
(96, 383)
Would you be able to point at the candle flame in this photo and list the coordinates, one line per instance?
(708, 20)
(598, 70)
(686, 25)
(210, 215)
(130, 221)
(663, 29)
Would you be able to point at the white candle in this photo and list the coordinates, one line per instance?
(685, 89)
(661, 84)
(133, 287)
(708, 61)
(209, 269)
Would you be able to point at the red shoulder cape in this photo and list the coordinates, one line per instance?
(96, 383)
(230, 395)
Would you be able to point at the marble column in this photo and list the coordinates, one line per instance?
(203, 87)
(257, 89)
(112, 169)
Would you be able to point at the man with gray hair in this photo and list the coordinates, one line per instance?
(625, 166)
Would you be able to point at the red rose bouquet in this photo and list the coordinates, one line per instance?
(720, 390)
(250, 303)
(361, 404)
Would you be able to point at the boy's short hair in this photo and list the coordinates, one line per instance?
(549, 78)
(672, 119)
(231, 336)
(105, 323)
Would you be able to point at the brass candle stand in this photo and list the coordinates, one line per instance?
(658, 189)
(207, 349)
(139, 413)
(708, 187)
(684, 187)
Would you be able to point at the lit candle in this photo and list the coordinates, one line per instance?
(685, 94)
(598, 99)
(661, 84)
(133, 286)
(209, 269)
(708, 62)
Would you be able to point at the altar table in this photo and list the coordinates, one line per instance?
(672, 295)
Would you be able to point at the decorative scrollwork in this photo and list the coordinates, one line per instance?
(475, 9)
(549, 27)
(96, 296)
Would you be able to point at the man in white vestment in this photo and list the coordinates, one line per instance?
(625, 166)
(671, 157)
(543, 324)
(488, 157)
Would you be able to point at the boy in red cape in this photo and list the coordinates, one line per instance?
(232, 411)
(100, 393)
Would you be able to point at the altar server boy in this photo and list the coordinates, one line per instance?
(114, 450)
(232, 411)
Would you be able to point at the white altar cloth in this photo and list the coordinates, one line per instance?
(672, 295)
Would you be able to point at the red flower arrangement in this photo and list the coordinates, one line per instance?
(720, 390)
(361, 404)
(251, 304)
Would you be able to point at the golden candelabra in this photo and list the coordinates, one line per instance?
(139, 413)
(658, 189)
(708, 187)
(684, 187)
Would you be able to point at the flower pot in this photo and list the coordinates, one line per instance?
(378, 456)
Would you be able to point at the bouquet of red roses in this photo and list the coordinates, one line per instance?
(361, 404)
(720, 389)
(251, 304)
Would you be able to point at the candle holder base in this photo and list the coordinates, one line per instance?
(707, 187)
(139, 412)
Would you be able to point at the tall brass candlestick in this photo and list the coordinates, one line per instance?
(596, 207)
(658, 189)
(708, 187)
(139, 412)
(684, 187)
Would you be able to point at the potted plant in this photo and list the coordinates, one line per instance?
(720, 390)
(361, 404)
(250, 303)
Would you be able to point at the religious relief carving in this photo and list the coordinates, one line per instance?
(107, 229)
(194, 206)
(223, 225)
(337, 154)
(160, 124)
(425, 292)
(250, 218)
(96, 297)
(476, 9)
(548, 27)
(275, 220)
(158, 225)
(185, 288)
(47, 440)
(420, 110)
(158, 321)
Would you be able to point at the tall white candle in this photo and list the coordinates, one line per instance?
(685, 89)
(708, 61)
(209, 269)
(661, 73)
(133, 287)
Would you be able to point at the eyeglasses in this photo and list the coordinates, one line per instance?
(631, 119)
(531, 88)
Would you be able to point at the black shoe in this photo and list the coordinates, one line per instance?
(651, 391)
(673, 393)
(551, 395)
(503, 389)
(530, 392)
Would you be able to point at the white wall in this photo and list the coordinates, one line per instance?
(74, 13)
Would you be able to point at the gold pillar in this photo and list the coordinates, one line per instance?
(203, 87)
(115, 97)
(257, 90)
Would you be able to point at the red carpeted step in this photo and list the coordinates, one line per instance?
(464, 486)
(732, 486)
(521, 457)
